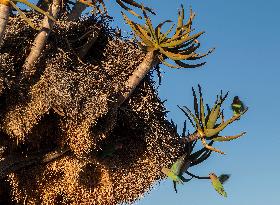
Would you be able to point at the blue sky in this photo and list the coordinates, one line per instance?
(246, 35)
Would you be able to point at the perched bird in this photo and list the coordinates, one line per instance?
(237, 106)
(217, 184)
(177, 170)
(110, 149)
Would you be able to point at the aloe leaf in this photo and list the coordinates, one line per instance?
(158, 30)
(188, 26)
(210, 147)
(195, 103)
(184, 129)
(180, 21)
(173, 38)
(187, 115)
(215, 112)
(213, 117)
(175, 56)
(212, 132)
(185, 65)
(135, 4)
(203, 157)
(150, 25)
(187, 44)
(227, 138)
(135, 27)
(36, 8)
(201, 103)
(164, 36)
(200, 152)
(186, 51)
(170, 65)
(22, 15)
(128, 9)
(202, 55)
(194, 118)
(181, 41)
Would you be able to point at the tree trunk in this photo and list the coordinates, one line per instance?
(40, 40)
(4, 16)
(77, 11)
(139, 73)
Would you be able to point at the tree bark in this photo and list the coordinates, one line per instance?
(4, 16)
(76, 11)
(139, 73)
(40, 40)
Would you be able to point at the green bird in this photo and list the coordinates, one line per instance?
(237, 106)
(217, 184)
(177, 170)
(110, 149)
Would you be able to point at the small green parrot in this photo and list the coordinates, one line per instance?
(237, 106)
(177, 170)
(110, 149)
(217, 184)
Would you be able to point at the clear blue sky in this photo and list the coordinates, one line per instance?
(246, 35)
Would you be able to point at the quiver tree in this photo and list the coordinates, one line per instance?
(85, 90)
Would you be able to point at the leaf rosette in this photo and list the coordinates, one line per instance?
(208, 126)
(180, 46)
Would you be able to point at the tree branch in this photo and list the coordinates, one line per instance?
(77, 11)
(139, 73)
(195, 176)
(13, 163)
(40, 40)
(4, 16)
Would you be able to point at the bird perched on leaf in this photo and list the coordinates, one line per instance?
(217, 183)
(177, 170)
(237, 106)
(110, 149)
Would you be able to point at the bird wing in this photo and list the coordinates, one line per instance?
(223, 178)
(177, 166)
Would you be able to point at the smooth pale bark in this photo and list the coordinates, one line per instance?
(139, 73)
(40, 40)
(4, 16)
(77, 11)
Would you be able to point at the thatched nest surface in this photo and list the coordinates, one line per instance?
(66, 103)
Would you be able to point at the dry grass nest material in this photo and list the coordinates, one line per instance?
(67, 103)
